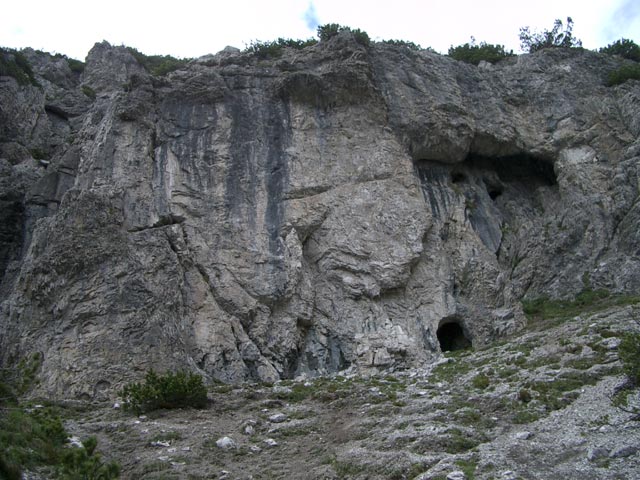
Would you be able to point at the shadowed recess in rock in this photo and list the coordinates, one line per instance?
(523, 167)
(451, 337)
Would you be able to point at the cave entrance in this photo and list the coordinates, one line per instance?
(451, 337)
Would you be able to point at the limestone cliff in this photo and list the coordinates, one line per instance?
(334, 207)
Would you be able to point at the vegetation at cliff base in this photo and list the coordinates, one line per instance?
(171, 390)
(629, 351)
(561, 35)
(15, 64)
(474, 53)
(33, 437)
(588, 300)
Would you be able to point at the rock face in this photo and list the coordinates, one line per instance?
(332, 208)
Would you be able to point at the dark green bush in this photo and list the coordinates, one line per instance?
(403, 43)
(85, 463)
(89, 92)
(622, 74)
(76, 66)
(35, 437)
(274, 48)
(18, 379)
(625, 48)
(14, 64)
(325, 32)
(559, 36)
(158, 65)
(629, 351)
(172, 390)
(475, 53)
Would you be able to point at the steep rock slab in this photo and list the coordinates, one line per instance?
(338, 207)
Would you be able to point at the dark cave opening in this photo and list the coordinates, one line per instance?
(517, 168)
(494, 193)
(457, 177)
(451, 337)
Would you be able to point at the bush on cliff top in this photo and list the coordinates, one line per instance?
(330, 30)
(158, 65)
(172, 390)
(625, 48)
(560, 35)
(274, 48)
(475, 53)
(14, 64)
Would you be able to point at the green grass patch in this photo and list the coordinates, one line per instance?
(458, 441)
(167, 436)
(523, 416)
(447, 372)
(481, 381)
(468, 467)
(544, 312)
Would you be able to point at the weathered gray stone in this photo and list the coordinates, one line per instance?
(596, 453)
(226, 443)
(278, 418)
(524, 435)
(332, 209)
(456, 475)
(624, 451)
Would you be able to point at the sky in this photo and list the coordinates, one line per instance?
(191, 28)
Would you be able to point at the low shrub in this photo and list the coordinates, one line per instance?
(34, 437)
(475, 53)
(172, 390)
(75, 66)
(330, 30)
(85, 463)
(629, 351)
(625, 48)
(622, 74)
(559, 36)
(158, 65)
(89, 92)
(403, 43)
(481, 381)
(275, 48)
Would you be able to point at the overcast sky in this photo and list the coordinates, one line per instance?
(190, 28)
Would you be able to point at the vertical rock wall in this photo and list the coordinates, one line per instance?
(332, 208)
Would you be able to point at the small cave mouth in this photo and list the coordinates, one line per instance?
(494, 193)
(451, 337)
(457, 177)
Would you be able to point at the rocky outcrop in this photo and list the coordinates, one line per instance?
(332, 208)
